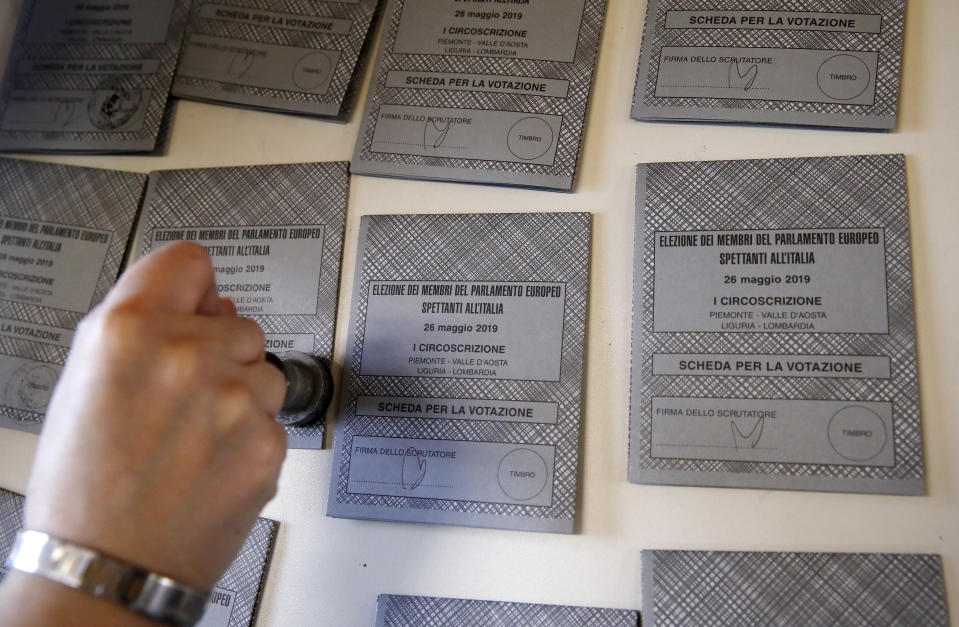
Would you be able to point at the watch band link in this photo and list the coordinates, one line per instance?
(150, 594)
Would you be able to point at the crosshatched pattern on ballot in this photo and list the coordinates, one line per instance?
(811, 193)
(755, 588)
(481, 247)
(888, 43)
(572, 108)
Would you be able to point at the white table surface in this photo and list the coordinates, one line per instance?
(329, 571)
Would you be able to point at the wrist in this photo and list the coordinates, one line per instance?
(106, 578)
(40, 602)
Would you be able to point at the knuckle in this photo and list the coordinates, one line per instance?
(179, 364)
(251, 332)
(235, 399)
(116, 326)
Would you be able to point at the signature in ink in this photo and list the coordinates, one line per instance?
(241, 62)
(742, 80)
(435, 133)
(414, 469)
(64, 113)
(750, 439)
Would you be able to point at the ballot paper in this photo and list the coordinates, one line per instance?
(463, 374)
(396, 610)
(298, 56)
(90, 76)
(275, 236)
(11, 521)
(753, 588)
(63, 234)
(481, 92)
(819, 62)
(234, 599)
(773, 326)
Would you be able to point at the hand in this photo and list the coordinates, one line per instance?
(160, 445)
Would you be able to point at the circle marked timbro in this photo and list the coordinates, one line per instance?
(529, 138)
(857, 433)
(522, 474)
(30, 387)
(112, 106)
(843, 77)
(311, 71)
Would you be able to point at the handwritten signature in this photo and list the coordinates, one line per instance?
(744, 80)
(64, 113)
(435, 133)
(414, 469)
(749, 439)
(240, 63)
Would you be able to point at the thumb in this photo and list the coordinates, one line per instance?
(177, 277)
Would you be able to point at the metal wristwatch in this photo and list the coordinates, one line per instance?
(147, 593)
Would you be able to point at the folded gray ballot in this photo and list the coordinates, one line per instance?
(297, 56)
(90, 76)
(396, 610)
(818, 62)
(774, 339)
(753, 588)
(63, 235)
(481, 92)
(234, 599)
(275, 235)
(463, 375)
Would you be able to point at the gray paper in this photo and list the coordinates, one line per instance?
(234, 599)
(90, 77)
(296, 56)
(275, 235)
(463, 375)
(752, 588)
(395, 610)
(63, 234)
(773, 326)
(11, 521)
(821, 63)
(487, 93)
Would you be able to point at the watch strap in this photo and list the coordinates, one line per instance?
(153, 595)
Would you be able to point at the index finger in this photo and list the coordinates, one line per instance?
(178, 277)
